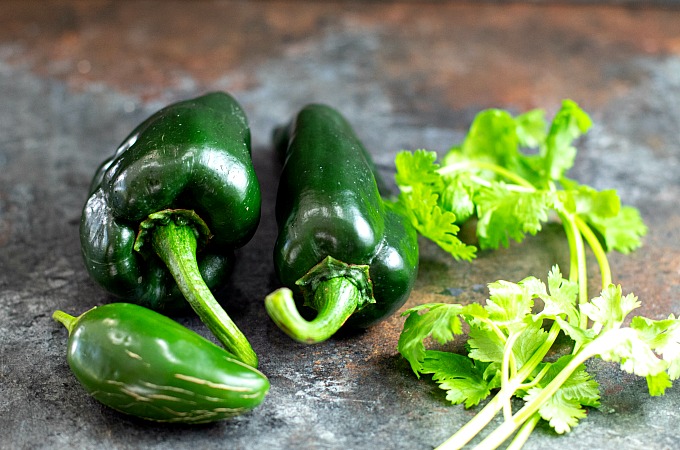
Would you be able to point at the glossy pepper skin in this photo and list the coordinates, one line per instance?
(187, 166)
(142, 363)
(335, 232)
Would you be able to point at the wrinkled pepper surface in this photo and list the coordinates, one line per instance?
(168, 209)
(143, 363)
(340, 250)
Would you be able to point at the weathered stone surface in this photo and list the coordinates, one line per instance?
(75, 77)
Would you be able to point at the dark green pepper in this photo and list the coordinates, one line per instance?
(142, 363)
(340, 250)
(167, 211)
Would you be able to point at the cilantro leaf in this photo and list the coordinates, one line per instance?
(528, 342)
(558, 154)
(658, 383)
(563, 292)
(620, 227)
(506, 214)
(622, 232)
(561, 299)
(562, 413)
(464, 380)
(508, 303)
(635, 356)
(610, 309)
(509, 309)
(589, 202)
(531, 128)
(484, 345)
(417, 167)
(664, 337)
(495, 138)
(441, 321)
(457, 196)
(579, 386)
(421, 208)
(492, 137)
(563, 409)
(419, 202)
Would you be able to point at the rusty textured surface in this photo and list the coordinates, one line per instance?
(76, 76)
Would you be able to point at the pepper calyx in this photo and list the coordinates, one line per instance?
(179, 217)
(329, 268)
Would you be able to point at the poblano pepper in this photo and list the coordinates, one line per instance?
(167, 211)
(143, 363)
(339, 249)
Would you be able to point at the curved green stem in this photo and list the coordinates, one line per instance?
(573, 260)
(578, 260)
(598, 251)
(65, 319)
(176, 245)
(335, 300)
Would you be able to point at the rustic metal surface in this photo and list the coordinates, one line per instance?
(75, 77)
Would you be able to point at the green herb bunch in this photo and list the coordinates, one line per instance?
(510, 175)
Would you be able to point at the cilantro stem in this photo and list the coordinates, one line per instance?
(575, 227)
(573, 260)
(497, 331)
(598, 251)
(537, 379)
(508, 366)
(482, 165)
(471, 429)
(524, 432)
(503, 432)
(508, 186)
(578, 259)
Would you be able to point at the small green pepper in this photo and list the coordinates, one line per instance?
(168, 209)
(339, 248)
(143, 363)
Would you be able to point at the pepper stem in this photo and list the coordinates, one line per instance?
(65, 319)
(175, 242)
(333, 288)
(335, 299)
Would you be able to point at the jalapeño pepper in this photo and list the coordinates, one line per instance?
(339, 250)
(168, 209)
(143, 363)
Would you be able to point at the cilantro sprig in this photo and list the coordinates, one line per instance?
(510, 174)
(508, 343)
